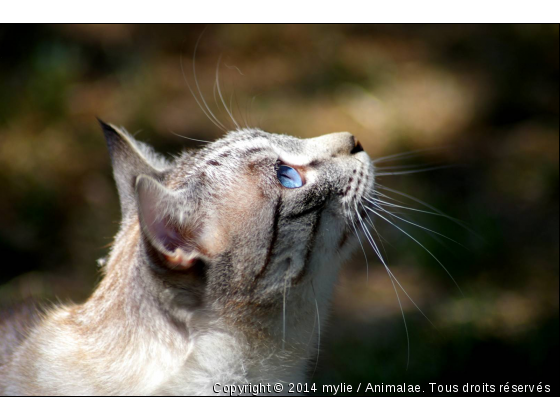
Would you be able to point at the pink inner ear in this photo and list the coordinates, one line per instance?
(181, 259)
(163, 232)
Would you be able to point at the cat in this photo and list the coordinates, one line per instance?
(221, 272)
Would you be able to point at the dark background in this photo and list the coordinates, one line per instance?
(482, 98)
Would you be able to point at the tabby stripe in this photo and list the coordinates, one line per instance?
(251, 151)
(242, 147)
(305, 212)
(272, 240)
(310, 246)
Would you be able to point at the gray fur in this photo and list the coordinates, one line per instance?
(218, 272)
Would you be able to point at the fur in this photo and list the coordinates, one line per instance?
(218, 273)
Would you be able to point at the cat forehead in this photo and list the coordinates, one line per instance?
(243, 144)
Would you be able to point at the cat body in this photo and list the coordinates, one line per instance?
(221, 273)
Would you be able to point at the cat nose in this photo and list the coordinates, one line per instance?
(340, 144)
(357, 147)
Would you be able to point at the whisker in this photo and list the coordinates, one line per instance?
(398, 167)
(234, 67)
(386, 203)
(318, 330)
(198, 85)
(412, 198)
(314, 320)
(215, 122)
(457, 221)
(391, 277)
(361, 246)
(237, 105)
(284, 314)
(246, 113)
(251, 107)
(231, 101)
(406, 155)
(381, 239)
(416, 171)
(189, 138)
(414, 224)
(419, 243)
(214, 90)
(318, 338)
(405, 325)
(382, 203)
(377, 251)
(220, 93)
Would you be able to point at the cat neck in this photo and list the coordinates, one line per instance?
(133, 313)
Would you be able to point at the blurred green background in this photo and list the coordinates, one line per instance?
(483, 98)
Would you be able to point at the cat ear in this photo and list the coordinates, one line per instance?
(130, 158)
(166, 223)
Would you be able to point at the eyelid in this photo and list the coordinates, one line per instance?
(301, 170)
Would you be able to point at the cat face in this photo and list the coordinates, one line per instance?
(253, 214)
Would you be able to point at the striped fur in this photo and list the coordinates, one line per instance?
(217, 275)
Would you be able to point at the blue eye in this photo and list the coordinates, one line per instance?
(288, 177)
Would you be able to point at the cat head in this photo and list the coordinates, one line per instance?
(247, 217)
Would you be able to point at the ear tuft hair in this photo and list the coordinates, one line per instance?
(166, 224)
